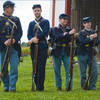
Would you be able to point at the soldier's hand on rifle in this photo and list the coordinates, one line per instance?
(65, 33)
(72, 31)
(12, 42)
(33, 40)
(7, 42)
(93, 36)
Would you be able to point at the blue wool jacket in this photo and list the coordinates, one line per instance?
(6, 28)
(41, 35)
(60, 39)
(84, 42)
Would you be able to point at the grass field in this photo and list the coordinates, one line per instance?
(24, 86)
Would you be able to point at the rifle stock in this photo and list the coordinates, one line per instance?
(35, 63)
(34, 66)
(7, 55)
(5, 62)
(85, 87)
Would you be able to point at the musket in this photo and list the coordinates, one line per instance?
(35, 64)
(85, 87)
(7, 54)
(70, 64)
(70, 61)
(35, 56)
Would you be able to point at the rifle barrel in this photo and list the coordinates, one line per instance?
(70, 64)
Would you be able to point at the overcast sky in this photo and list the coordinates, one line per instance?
(24, 11)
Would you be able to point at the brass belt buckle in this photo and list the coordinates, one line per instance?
(63, 45)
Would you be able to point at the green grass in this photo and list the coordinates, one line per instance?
(24, 86)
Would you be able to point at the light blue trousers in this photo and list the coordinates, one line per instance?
(10, 79)
(57, 61)
(84, 62)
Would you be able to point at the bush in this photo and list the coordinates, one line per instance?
(25, 51)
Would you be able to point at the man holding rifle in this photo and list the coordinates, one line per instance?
(62, 36)
(10, 34)
(87, 55)
(37, 33)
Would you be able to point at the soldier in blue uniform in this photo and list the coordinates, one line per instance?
(7, 22)
(42, 33)
(60, 52)
(85, 45)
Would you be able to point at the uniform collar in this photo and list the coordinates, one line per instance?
(60, 26)
(39, 19)
(6, 15)
(87, 29)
